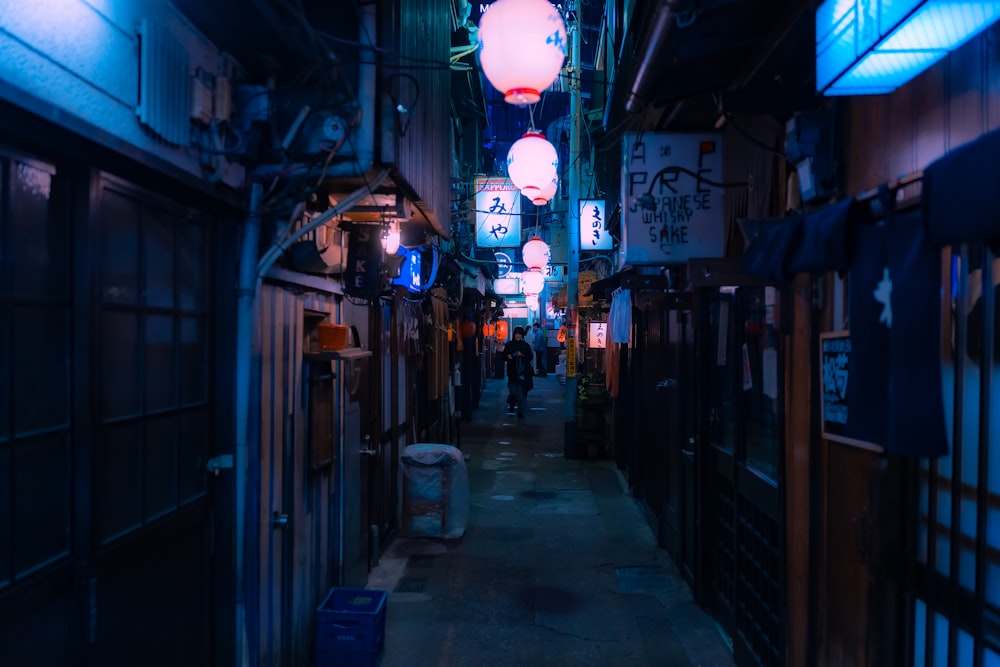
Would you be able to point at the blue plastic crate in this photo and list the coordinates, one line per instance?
(350, 627)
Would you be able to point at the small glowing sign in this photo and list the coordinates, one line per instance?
(593, 235)
(409, 272)
(598, 337)
(554, 272)
(507, 286)
(498, 213)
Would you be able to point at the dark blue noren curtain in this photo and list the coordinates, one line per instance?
(894, 373)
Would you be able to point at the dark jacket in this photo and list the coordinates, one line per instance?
(512, 361)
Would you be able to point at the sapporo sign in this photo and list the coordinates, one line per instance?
(673, 212)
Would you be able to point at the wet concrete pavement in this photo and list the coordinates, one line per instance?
(557, 565)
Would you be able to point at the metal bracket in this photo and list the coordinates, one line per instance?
(217, 463)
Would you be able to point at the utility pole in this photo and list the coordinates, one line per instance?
(573, 232)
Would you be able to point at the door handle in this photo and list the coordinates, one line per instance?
(367, 452)
(279, 520)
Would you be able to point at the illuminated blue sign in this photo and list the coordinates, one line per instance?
(409, 272)
(870, 47)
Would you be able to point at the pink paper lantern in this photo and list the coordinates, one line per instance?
(523, 47)
(532, 164)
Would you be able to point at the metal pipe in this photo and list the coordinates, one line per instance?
(573, 240)
(652, 46)
(246, 293)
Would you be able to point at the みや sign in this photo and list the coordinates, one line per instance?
(671, 189)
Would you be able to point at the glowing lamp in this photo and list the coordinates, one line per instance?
(874, 47)
(467, 329)
(531, 301)
(390, 238)
(548, 192)
(535, 253)
(532, 282)
(501, 329)
(487, 330)
(522, 48)
(532, 164)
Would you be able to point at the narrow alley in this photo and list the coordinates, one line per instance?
(557, 565)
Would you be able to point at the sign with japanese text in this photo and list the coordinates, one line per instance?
(593, 235)
(571, 357)
(498, 213)
(834, 356)
(554, 272)
(507, 286)
(598, 335)
(672, 198)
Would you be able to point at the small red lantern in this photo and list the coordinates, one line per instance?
(468, 329)
(501, 329)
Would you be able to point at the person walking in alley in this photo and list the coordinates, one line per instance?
(540, 344)
(519, 382)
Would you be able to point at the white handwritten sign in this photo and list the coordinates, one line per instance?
(498, 213)
(598, 337)
(593, 235)
(673, 207)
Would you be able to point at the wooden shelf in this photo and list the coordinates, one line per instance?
(346, 354)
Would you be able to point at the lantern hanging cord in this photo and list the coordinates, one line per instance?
(531, 118)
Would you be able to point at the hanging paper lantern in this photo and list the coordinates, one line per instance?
(561, 336)
(547, 193)
(531, 301)
(523, 47)
(487, 330)
(467, 329)
(501, 329)
(535, 253)
(532, 282)
(390, 238)
(532, 164)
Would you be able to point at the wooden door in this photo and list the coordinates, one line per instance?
(740, 464)
(106, 423)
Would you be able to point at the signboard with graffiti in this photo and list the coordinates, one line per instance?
(498, 213)
(672, 197)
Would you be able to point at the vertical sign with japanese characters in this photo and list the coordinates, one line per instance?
(672, 194)
(598, 337)
(593, 235)
(498, 213)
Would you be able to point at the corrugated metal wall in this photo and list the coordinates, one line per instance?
(296, 559)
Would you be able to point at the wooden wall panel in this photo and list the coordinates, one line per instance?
(867, 147)
(966, 94)
(950, 104)
(991, 75)
(295, 561)
(423, 34)
(798, 379)
(901, 156)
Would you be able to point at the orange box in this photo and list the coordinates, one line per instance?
(332, 336)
